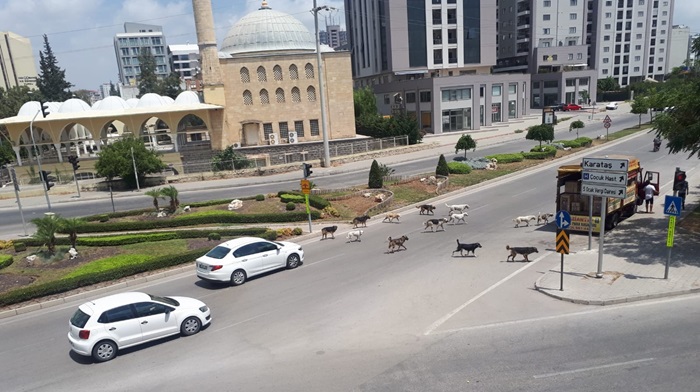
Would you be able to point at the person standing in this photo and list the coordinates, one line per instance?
(649, 191)
(682, 192)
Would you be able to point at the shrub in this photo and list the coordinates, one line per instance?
(289, 198)
(7, 260)
(315, 201)
(459, 168)
(442, 169)
(214, 236)
(507, 158)
(270, 235)
(584, 141)
(260, 198)
(546, 148)
(297, 231)
(285, 232)
(569, 143)
(20, 247)
(331, 211)
(536, 155)
(291, 206)
(103, 218)
(5, 244)
(376, 181)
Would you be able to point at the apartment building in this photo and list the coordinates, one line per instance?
(129, 44)
(680, 45)
(432, 59)
(630, 38)
(547, 39)
(17, 65)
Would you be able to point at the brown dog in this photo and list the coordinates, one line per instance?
(390, 216)
(426, 208)
(525, 251)
(397, 243)
(328, 230)
(360, 220)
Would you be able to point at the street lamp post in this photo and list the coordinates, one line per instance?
(38, 157)
(324, 121)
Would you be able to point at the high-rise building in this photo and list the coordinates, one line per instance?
(333, 36)
(129, 44)
(184, 59)
(630, 38)
(679, 47)
(432, 59)
(16, 61)
(547, 39)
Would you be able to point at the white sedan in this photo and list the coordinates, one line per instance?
(237, 260)
(611, 106)
(102, 327)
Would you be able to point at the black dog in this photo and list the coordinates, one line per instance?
(468, 247)
(525, 251)
(328, 230)
(427, 208)
(360, 220)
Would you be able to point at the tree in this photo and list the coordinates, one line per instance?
(442, 169)
(230, 159)
(147, 80)
(640, 106)
(7, 154)
(376, 181)
(584, 95)
(113, 92)
(578, 124)
(155, 193)
(115, 161)
(402, 124)
(83, 94)
(70, 226)
(465, 143)
(12, 99)
(172, 193)
(608, 84)
(170, 85)
(46, 229)
(542, 132)
(52, 79)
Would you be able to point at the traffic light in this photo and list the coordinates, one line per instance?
(47, 179)
(307, 170)
(44, 109)
(74, 161)
(678, 180)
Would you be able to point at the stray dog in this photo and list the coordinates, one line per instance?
(526, 219)
(525, 251)
(454, 217)
(457, 207)
(468, 247)
(328, 230)
(544, 217)
(391, 216)
(355, 235)
(360, 219)
(427, 208)
(397, 243)
(435, 224)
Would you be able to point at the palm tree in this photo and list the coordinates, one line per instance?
(172, 193)
(71, 226)
(155, 194)
(46, 229)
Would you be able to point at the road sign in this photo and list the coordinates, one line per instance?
(672, 205)
(606, 164)
(671, 231)
(562, 243)
(563, 219)
(607, 120)
(616, 191)
(606, 125)
(305, 187)
(605, 178)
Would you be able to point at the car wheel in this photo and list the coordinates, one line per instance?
(190, 326)
(238, 277)
(104, 351)
(293, 261)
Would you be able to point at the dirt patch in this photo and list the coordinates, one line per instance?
(691, 222)
(12, 281)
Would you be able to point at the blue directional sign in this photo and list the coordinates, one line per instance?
(563, 219)
(672, 205)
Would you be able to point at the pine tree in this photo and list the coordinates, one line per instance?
(376, 181)
(113, 92)
(442, 169)
(52, 79)
(147, 80)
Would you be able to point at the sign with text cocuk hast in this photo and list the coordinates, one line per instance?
(604, 177)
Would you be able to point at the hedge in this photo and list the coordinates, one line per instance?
(584, 141)
(459, 168)
(6, 261)
(70, 283)
(314, 200)
(537, 155)
(507, 158)
(545, 148)
(576, 143)
(287, 198)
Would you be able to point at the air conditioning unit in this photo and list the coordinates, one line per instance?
(293, 137)
(236, 145)
(273, 139)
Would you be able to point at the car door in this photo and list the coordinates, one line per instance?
(272, 256)
(122, 325)
(156, 320)
(248, 258)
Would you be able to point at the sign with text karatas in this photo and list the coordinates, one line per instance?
(606, 164)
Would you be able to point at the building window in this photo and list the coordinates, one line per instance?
(512, 88)
(573, 16)
(311, 94)
(247, 98)
(277, 71)
(296, 95)
(606, 49)
(262, 75)
(299, 128)
(546, 17)
(606, 60)
(574, 2)
(641, 2)
(572, 30)
(579, 56)
(545, 31)
(496, 91)
(608, 15)
(425, 96)
(640, 14)
(284, 130)
(313, 124)
(583, 82)
(309, 69)
(245, 76)
(547, 3)
(279, 93)
(264, 97)
(605, 72)
(437, 56)
(608, 26)
(267, 130)
(293, 72)
(606, 38)
(636, 69)
(570, 82)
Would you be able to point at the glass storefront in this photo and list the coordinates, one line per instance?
(456, 119)
(495, 112)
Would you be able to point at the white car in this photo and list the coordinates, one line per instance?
(237, 260)
(102, 327)
(611, 106)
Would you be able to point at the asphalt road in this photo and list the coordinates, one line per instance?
(354, 317)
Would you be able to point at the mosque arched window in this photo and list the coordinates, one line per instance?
(309, 69)
(280, 95)
(293, 72)
(245, 75)
(264, 97)
(262, 75)
(311, 93)
(247, 98)
(277, 71)
(296, 95)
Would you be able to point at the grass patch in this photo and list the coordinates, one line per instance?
(627, 132)
(406, 195)
(109, 263)
(562, 119)
(159, 248)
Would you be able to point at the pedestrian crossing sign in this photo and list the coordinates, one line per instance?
(672, 205)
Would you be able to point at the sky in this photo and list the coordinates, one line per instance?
(81, 32)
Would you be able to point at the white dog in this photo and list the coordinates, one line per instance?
(524, 219)
(544, 217)
(457, 207)
(454, 217)
(355, 235)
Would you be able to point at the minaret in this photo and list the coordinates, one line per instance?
(212, 78)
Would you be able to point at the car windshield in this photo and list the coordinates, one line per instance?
(166, 300)
(219, 252)
(79, 318)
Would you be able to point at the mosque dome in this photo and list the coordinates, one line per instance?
(187, 98)
(267, 30)
(111, 103)
(74, 105)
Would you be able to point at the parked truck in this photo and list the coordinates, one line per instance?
(570, 199)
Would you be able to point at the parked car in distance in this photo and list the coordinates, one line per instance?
(571, 106)
(611, 106)
(241, 258)
(558, 107)
(102, 327)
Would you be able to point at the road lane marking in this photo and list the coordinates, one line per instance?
(241, 322)
(594, 368)
(523, 192)
(448, 316)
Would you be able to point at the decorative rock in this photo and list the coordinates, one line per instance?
(73, 253)
(31, 258)
(186, 209)
(162, 214)
(367, 194)
(379, 198)
(235, 204)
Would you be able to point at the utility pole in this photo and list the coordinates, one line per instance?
(38, 156)
(324, 121)
(136, 174)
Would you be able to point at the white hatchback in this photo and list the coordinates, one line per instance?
(101, 327)
(612, 106)
(237, 260)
